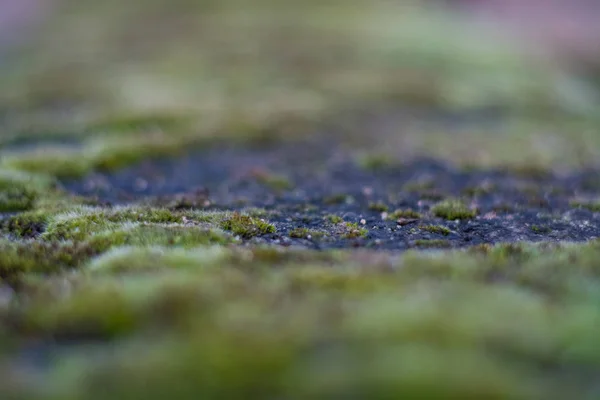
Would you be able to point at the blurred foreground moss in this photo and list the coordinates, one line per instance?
(504, 322)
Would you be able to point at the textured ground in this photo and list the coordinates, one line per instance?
(302, 185)
(296, 200)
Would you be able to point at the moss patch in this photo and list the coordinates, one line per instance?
(377, 206)
(437, 229)
(19, 191)
(593, 206)
(163, 300)
(18, 258)
(433, 243)
(405, 214)
(453, 210)
(305, 233)
(513, 306)
(246, 226)
(352, 230)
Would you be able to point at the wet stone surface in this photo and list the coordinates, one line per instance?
(320, 196)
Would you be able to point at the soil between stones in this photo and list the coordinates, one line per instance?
(302, 184)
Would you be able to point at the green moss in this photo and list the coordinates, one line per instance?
(437, 229)
(334, 219)
(408, 214)
(144, 259)
(591, 206)
(246, 227)
(257, 212)
(18, 258)
(452, 210)
(338, 198)
(19, 191)
(351, 230)
(102, 313)
(97, 154)
(139, 122)
(305, 233)
(480, 190)
(183, 311)
(83, 221)
(170, 319)
(419, 186)
(55, 162)
(375, 162)
(433, 243)
(274, 182)
(16, 200)
(540, 229)
(114, 154)
(158, 235)
(26, 225)
(531, 171)
(504, 208)
(380, 207)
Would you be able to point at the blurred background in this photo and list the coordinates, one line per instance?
(68, 67)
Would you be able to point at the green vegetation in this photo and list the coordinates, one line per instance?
(305, 233)
(593, 206)
(433, 243)
(246, 226)
(419, 186)
(540, 229)
(438, 229)
(19, 191)
(481, 190)
(513, 307)
(381, 207)
(375, 162)
(25, 225)
(162, 300)
(275, 182)
(453, 209)
(407, 214)
(334, 219)
(15, 199)
(338, 198)
(351, 230)
(18, 258)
